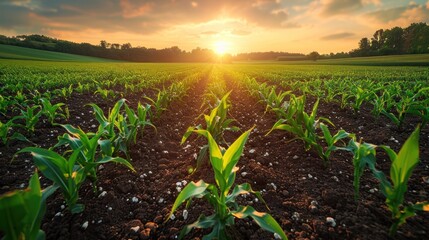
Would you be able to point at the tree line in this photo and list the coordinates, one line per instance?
(413, 39)
(114, 51)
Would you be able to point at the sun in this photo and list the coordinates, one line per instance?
(221, 47)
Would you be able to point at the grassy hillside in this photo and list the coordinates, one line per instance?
(392, 60)
(14, 52)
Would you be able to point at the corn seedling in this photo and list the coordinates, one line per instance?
(105, 93)
(220, 196)
(331, 141)
(216, 124)
(160, 103)
(22, 211)
(51, 111)
(31, 117)
(363, 156)
(63, 172)
(87, 145)
(394, 190)
(303, 126)
(5, 128)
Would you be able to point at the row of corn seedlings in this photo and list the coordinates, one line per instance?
(222, 195)
(116, 133)
(294, 119)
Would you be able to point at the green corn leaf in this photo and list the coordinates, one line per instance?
(264, 220)
(191, 190)
(116, 160)
(202, 222)
(407, 159)
(51, 164)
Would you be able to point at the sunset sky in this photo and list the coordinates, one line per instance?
(239, 25)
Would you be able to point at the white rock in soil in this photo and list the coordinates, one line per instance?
(134, 199)
(161, 200)
(110, 208)
(187, 146)
(135, 229)
(295, 216)
(57, 214)
(179, 189)
(243, 174)
(274, 186)
(314, 203)
(101, 167)
(63, 207)
(172, 217)
(102, 194)
(195, 156)
(331, 221)
(85, 225)
(266, 154)
(335, 178)
(252, 150)
(179, 184)
(295, 157)
(185, 214)
(22, 185)
(277, 236)
(310, 176)
(184, 182)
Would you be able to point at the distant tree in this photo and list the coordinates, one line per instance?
(313, 55)
(364, 47)
(115, 46)
(126, 46)
(416, 38)
(104, 44)
(394, 40)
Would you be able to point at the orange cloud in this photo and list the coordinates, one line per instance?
(130, 10)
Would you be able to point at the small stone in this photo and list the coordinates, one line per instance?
(310, 176)
(102, 194)
(243, 174)
(185, 214)
(101, 167)
(172, 217)
(295, 216)
(161, 200)
(295, 157)
(335, 178)
(277, 236)
(134, 199)
(252, 150)
(274, 186)
(135, 229)
(331, 221)
(85, 225)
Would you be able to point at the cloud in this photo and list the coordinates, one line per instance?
(337, 36)
(341, 7)
(401, 16)
(209, 33)
(239, 32)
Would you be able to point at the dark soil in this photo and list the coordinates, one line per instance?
(300, 192)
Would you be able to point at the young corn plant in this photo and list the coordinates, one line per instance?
(364, 155)
(22, 211)
(65, 173)
(159, 103)
(403, 164)
(216, 124)
(51, 111)
(220, 196)
(5, 129)
(304, 126)
(31, 117)
(105, 93)
(87, 145)
(331, 141)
